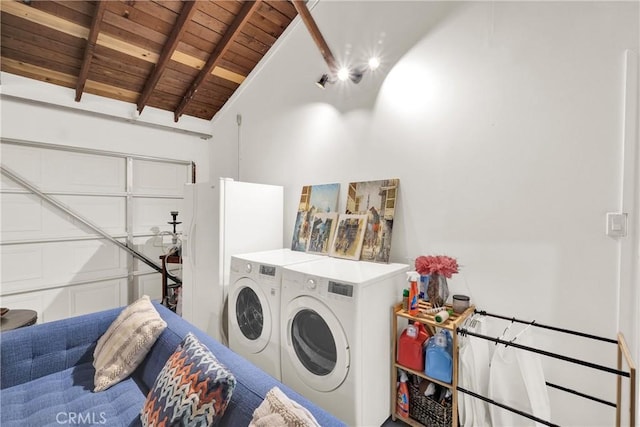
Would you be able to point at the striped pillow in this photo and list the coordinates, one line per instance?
(126, 343)
(192, 389)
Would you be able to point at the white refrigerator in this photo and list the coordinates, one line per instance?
(219, 220)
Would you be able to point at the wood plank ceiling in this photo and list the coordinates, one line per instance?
(187, 57)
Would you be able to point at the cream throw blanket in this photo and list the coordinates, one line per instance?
(277, 410)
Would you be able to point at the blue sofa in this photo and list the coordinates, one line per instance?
(47, 376)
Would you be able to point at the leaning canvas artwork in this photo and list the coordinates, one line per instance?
(314, 199)
(323, 227)
(348, 237)
(377, 200)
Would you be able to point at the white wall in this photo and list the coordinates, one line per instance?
(56, 118)
(503, 121)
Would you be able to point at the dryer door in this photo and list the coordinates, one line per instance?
(316, 344)
(250, 320)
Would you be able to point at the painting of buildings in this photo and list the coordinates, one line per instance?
(377, 200)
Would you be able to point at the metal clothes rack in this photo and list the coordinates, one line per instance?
(623, 350)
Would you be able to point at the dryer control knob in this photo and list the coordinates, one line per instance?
(311, 284)
(248, 268)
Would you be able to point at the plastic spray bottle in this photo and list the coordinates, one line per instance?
(402, 406)
(412, 278)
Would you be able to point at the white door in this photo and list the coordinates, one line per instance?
(251, 320)
(316, 344)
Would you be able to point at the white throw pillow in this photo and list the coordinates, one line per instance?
(126, 343)
(278, 410)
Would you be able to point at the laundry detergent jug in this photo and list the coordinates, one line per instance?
(439, 357)
(411, 346)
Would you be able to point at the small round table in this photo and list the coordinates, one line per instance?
(14, 319)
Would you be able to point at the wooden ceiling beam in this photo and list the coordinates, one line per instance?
(167, 52)
(221, 48)
(68, 80)
(90, 47)
(140, 53)
(316, 35)
(21, 10)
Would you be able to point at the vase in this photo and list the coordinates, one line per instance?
(437, 290)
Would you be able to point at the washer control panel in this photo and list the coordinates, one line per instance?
(306, 284)
(262, 273)
(268, 270)
(343, 289)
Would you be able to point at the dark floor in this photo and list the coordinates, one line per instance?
(391, 423)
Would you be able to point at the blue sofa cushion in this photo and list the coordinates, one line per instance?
(192, 389)
(39, 350)
(65, 398)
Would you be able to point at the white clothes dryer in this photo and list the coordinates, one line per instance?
(254, 305)
(336, 332)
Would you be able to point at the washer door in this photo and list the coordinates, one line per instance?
(316, 344)
(250, 315)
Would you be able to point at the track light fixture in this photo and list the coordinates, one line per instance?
(323, 81)
(356, 75)
(346, 73)
(336, 72)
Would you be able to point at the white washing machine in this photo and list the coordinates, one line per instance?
(336, 332)
(254, 305)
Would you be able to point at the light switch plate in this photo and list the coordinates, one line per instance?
(616, 224)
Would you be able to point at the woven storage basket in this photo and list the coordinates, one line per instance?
(426, 410)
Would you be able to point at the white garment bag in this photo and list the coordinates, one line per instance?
(516, 379)
(474, 375)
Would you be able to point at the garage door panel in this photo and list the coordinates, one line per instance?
(158, 178)
(98, 296)
(60, 303)
(149, 284)
(21, 264)
(24, 161)
(108, 213)
(51, 304)
(55, 170)
(53, 263)
(48, 265)
(96, 256)
(21, 214)
(149, 213)
(84, 173)
(152, 248)
(26, 216)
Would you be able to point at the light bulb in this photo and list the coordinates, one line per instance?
(374, 62)
(343, 74)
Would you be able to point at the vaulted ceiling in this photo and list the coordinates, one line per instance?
(187, 57)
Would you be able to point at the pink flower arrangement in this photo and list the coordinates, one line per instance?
(437, 264)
